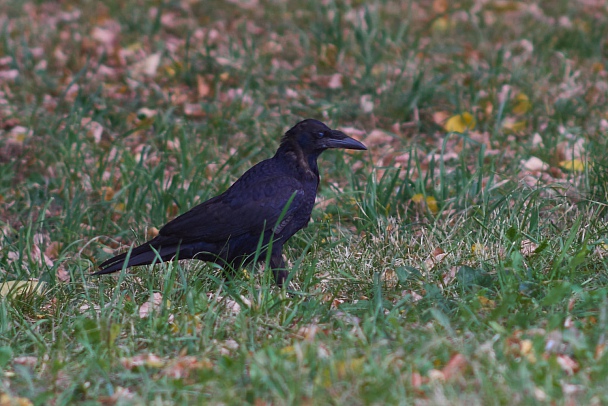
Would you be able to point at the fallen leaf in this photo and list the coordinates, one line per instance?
(460, 123)
(512, 125)
(147, 360)
(182, 367)
(527, 350)
(62, 274)
(528, 247)
(194, 110)
(335, 82)
(428, 202)
(151, 305)
(574, 165)
(377, 138)
(25, 288)
(366, 103)
(568, 365)
(486, 304)
(534, 164)
(7, 400)
(522, 104)
(454, 367)
(147, 66)
(27, 361)
(203, 88)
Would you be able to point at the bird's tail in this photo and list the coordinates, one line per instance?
(145, 254)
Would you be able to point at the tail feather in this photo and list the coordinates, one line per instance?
(145, 254)
(158, 250)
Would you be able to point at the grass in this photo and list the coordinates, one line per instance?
(495, 296)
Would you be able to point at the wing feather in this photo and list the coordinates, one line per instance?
(247, 207)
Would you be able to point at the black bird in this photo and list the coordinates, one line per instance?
(268, 204)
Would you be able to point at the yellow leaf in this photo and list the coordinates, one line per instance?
(417, 198)
(513, 126)
(119, 207)
(478, 249)
(289, 350)
(522, 104)
(486, 303)
(431, 203)
(354, 366)
(574, 165)
(12, 288)
(460, 123)
(6, 400)
(440, 25)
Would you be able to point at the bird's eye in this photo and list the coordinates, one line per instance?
(320, 134)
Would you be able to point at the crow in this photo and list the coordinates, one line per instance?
(265, 207)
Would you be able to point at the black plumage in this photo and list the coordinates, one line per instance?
(268, 204)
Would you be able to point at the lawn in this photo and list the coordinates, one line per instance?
(462, 259)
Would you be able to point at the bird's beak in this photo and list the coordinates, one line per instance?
(337, 139)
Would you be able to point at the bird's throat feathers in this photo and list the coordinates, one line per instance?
(306, 163)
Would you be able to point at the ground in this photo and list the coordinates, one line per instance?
(462, 259)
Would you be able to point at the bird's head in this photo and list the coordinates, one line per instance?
(313, 137)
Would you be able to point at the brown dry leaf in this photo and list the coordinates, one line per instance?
(366, 103)
(227, 347)
(62, 274)
(599, 350)
(107, 193)
(335, 81)
(440, 117)
(52, 250)
(436, 375)
(568, 150)
(152, 232)
(329, 55)
(534, 164)
(440, 6)
(568, 365)
(18, 135)
(454, 367)
(194, 110)
(120, 396)
(40, 256)
(415, 296)
(528, 247)
(151, 305)
(202, 86)
(308, 332)
(449, 276)
(182, 367)
(146, 67)
(352, 131)
(93, 128)
(416, 379)
(435, 258)
(27, 361)
(389, 276)
(10, 74)
(147, 360)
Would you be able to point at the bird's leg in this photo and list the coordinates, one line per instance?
(278, 268)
